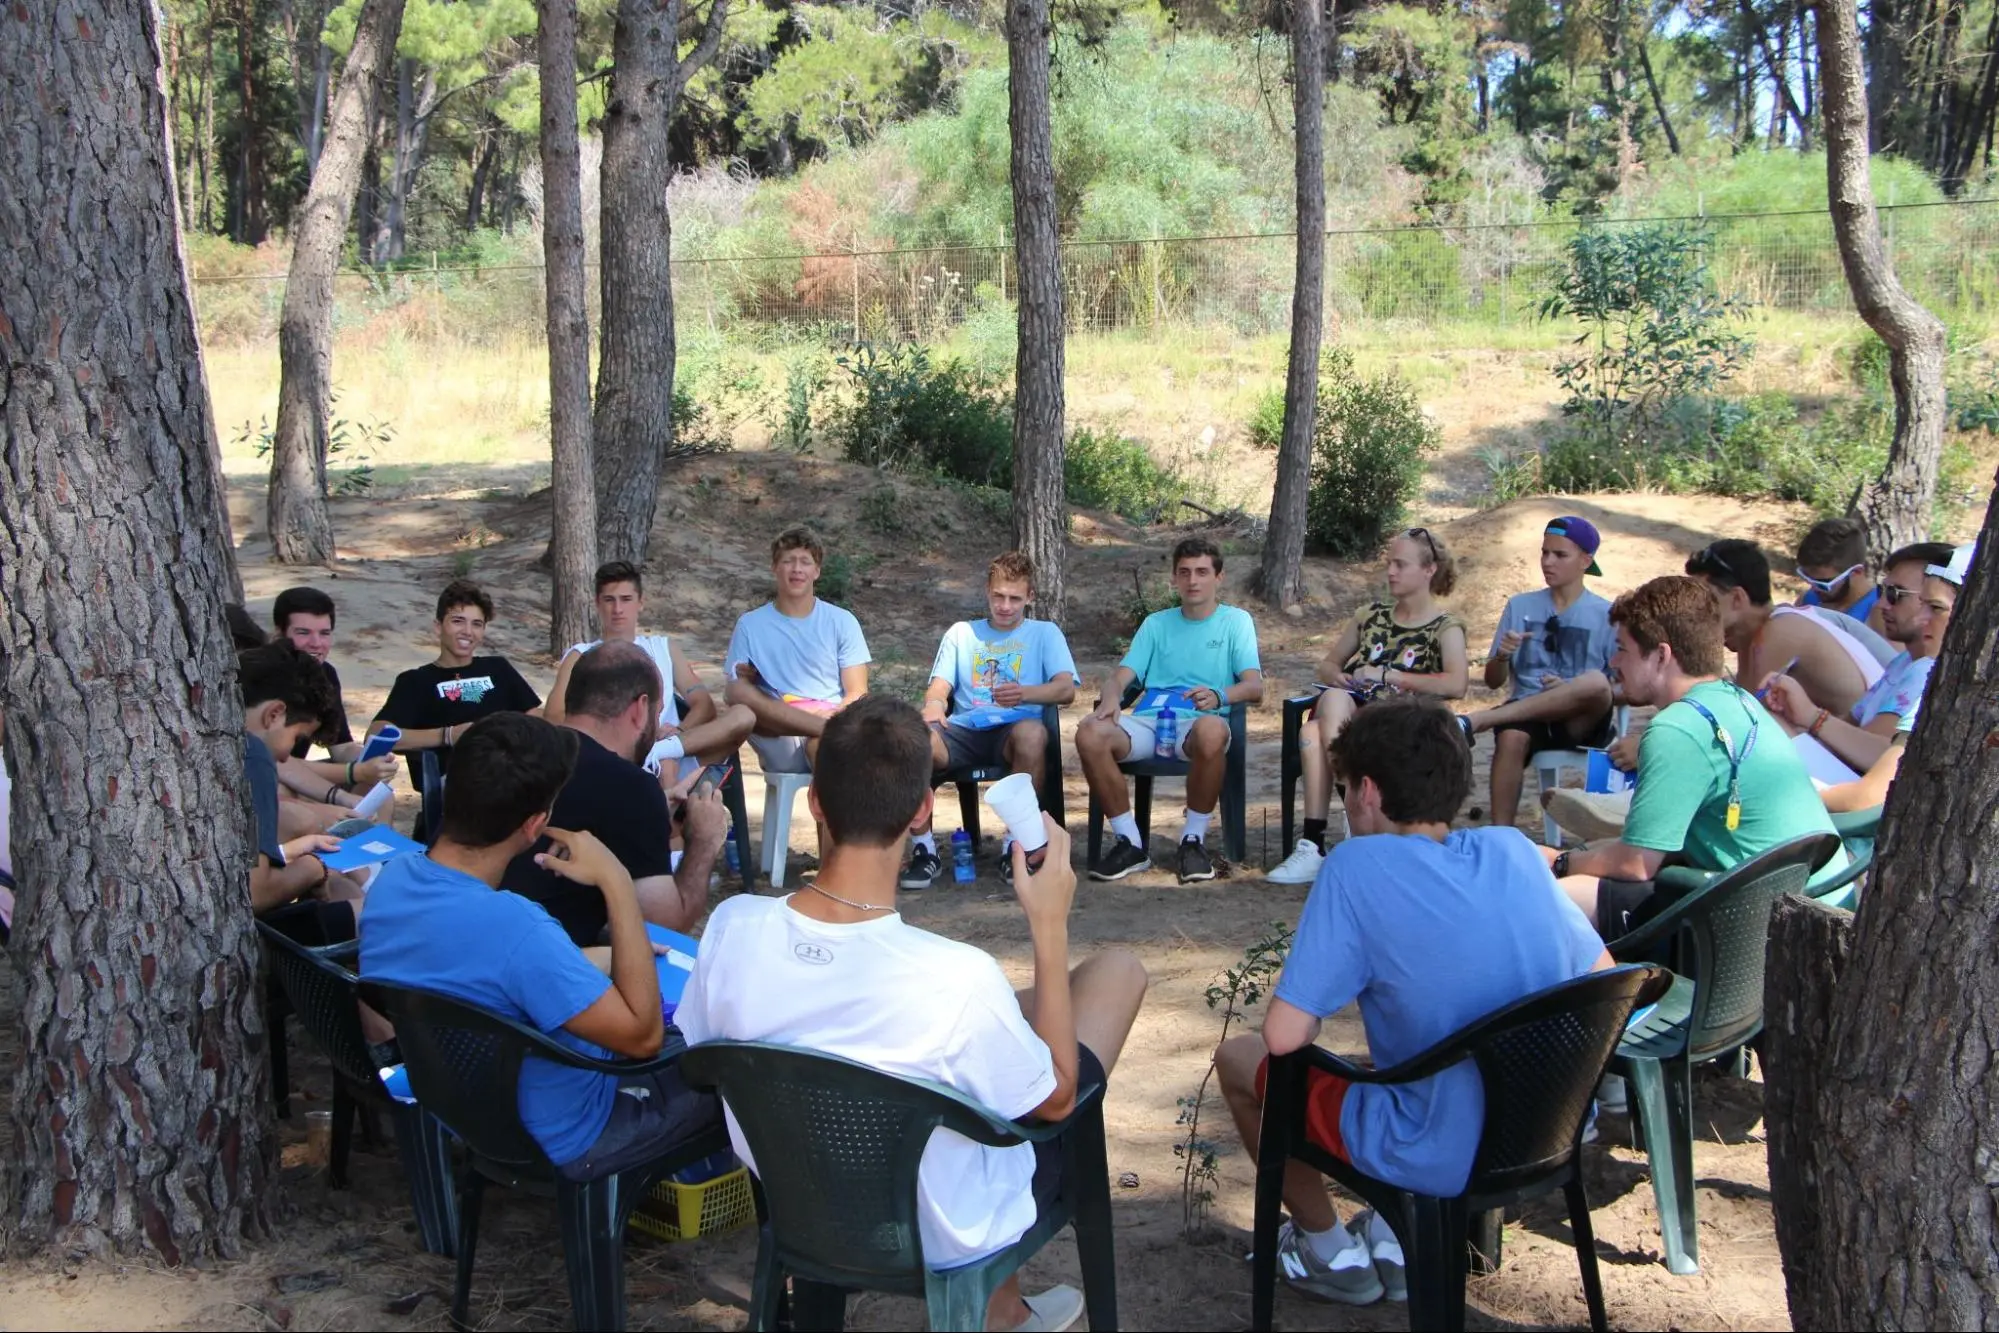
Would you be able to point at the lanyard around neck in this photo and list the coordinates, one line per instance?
(1734, 759)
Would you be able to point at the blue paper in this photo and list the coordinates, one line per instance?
(378, 844)
(381, 743)
(1172, 696)
(1604, 776)
(675, 967)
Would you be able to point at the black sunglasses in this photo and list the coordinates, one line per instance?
(1707, 557)
(1428, 540)
(1551, 640)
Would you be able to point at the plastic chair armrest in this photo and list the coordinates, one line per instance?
(1040, 1131)
(1858, 823)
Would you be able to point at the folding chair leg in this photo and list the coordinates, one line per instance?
(1269, 1203)
(1666, 1114)
(1096, 1250)
(1585, 1235)
(1141, 802)
(1484, 1236)
(1436, 1264)
(819, 1308)
(593, 1248)
(426, 1159)
(471, 1192)
(344, 1111)
(767, 1304)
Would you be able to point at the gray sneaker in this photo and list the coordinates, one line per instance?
(1387, 1256)
(1349, 1279)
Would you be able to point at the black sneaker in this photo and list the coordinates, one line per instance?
(1123, 858)
(921, 872)
(1194, 862)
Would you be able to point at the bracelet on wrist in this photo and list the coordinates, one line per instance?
(1818, 722)
(350, 772)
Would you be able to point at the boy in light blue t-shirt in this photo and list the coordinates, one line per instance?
(1427, 929)
(1198, 658)
(987, 686)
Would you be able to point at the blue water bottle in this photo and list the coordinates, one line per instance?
(733, 857)
(1165, 735)
(962, 868)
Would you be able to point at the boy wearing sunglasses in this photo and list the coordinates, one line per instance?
(1554, 646)
(1832, 560)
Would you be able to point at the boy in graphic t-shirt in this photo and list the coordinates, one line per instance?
(434, 704)
(996, 673)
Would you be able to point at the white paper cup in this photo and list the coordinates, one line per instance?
(1012, 798)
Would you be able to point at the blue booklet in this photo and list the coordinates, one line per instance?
(381, 743)
(676, 965)
(378, 844)
(1176, 697)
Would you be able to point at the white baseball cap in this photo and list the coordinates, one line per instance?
(1959, 566)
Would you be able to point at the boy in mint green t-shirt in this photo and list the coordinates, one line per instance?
(1197, 658)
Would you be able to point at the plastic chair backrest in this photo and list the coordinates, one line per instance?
(325, 997)
(1724, 929)
(430, 785)
(837, 1147)
(1541, 1058)
(464, 1066)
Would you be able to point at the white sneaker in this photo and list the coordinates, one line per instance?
(1590, 815)
(1053, 1311)
(1611, 1095)
(1301, 867)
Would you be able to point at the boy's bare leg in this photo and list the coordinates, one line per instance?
(1509, 774)
(1101, 746)
(721, 736)
(1305, 1195)
(1207, 762)
(1329, 718)
(1583, 699)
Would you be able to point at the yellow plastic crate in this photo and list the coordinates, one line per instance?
(673, 1211)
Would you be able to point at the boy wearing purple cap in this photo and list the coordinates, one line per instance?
(1554, 645)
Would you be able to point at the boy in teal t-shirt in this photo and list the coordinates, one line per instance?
(1198, 659)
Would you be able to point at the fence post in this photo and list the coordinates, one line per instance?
(1002, 265)
(855, 260)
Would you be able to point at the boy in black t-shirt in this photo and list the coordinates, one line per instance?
(318, 794)
(434, 703)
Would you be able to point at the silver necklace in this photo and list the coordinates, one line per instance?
(848, 902)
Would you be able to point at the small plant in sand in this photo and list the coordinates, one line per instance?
(1240, 985)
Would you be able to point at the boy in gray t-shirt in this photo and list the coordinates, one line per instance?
(1553, 647)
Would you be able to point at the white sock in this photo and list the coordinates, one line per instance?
(1328, 1244)
(1197, 825)
(1126, 827)
(927, 841)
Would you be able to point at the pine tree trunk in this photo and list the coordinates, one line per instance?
(633, 429)
(1280, 579)
(1907, 1105)
(1895, 507)
(1040, 505)
(140, 1116)
(573, 545)
(301, 527)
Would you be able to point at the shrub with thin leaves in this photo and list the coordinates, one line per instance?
(909, 414)
(1369, 440)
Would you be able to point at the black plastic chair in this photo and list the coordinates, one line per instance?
(1234, 808)
(967, 777)
(837, 1146)
(464, 1064)
(1291, 768)
(1715, 939)
(430, 788)
(1540, 1059)
(739, 813)
(326, 998)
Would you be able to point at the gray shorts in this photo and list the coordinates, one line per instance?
(781, 754)
(650, 1114)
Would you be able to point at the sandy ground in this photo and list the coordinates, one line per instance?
(348, 1258)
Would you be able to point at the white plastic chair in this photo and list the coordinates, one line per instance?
(780, 796)
(1548, 766)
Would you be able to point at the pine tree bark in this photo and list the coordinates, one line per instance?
(295, 505)
(633, 429)
(1895, 507)
(1040, 504)
(1908, 1109)
(1280, 580)
(573, 545)
(140, 1109)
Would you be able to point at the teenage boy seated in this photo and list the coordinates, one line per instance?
(434, 704)
(1832, 560)
(833, 968)
(1428, 928)
(611, 702)
(1717, 785)
(319, 795)
(1835, 657)
(440, 922)
(1207, 651)
(678, 744)
(996, 673)
(1554, 646)
(286, 696)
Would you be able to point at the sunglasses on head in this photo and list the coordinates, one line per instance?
(1833, 584)
(1428, 540)
(1708, 558)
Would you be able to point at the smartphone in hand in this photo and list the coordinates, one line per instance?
(713, 777)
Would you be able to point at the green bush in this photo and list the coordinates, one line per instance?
(1266, 422)
(910, 415)
(1104, 470)
(1369, 440)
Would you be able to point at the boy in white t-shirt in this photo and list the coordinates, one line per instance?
(987, 686)
(833, 968)
(707, 734)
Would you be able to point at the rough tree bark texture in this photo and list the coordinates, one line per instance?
(633, 429)
(1903, 1151)
(1280, 580)
(1040, 505)
(573, 546)
(140, 1108)
(295, 506)
(1896, 506)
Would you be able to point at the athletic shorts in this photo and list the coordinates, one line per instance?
(781, 754)
(1623, 905)
(1145, 746)
(650, 1114)
(967, 747)
(1544, 735)
(1325, 1097)
(1048, 1153)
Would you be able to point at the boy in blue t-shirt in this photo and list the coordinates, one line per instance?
(1197, 658)
(1427, 929)
(441, 923)
(987, 686)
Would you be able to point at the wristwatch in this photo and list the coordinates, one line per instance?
(1560, 866)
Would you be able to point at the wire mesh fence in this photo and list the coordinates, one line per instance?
(1194, 290)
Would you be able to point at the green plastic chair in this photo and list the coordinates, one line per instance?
(1857, 830)
(837, 1145)
(1716, 938)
